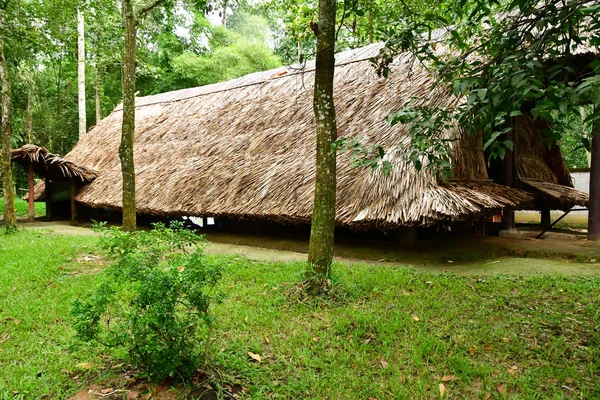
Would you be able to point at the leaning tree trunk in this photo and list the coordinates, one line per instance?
(594, 206)
(126, 148)
(81, 71)
(10, 216)
(320, 252)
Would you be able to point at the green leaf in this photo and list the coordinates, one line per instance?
(481, 93)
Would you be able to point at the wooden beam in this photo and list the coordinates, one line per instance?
(31, 192)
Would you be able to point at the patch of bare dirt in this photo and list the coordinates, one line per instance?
(200, 386)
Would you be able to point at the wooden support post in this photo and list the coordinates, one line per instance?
(508, 216)
(546, 217)
(408, 236)
(48, 198)
(479, 226)
(73, 186)
(31, 193)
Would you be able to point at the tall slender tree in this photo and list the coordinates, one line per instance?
(320, 253)
(10, 217)
(128, 126)
(81, 70)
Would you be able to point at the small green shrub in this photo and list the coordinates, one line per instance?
(152, 300)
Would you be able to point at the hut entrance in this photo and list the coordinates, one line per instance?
(62, 180)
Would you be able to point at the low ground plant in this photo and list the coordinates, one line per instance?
(154, 299)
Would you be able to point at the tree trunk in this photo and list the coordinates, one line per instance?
(10, 216)
(128, 129)
(371, 25)
(81, 71)
(594, 206)
(29, 117)
(98, 89)
(320, 252)
(224, 13)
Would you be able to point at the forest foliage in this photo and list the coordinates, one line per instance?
(181, 45)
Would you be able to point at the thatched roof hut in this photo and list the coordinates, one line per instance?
(50, 165)
(246, 148)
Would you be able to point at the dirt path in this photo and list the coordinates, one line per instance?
(475, 256)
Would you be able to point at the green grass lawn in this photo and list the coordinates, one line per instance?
(385, 333)
(22, 208)
(37, 285)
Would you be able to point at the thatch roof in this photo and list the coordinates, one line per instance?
(542, 170)
(50, 165)
(246, 148)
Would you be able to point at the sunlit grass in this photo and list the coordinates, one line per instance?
(22, 208)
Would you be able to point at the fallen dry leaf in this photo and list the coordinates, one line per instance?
(473, 350)
(384, 364)
(449, 378)
(85, 365)
(16, 321)
(254, 356)
(415, 317)
(512, 370)
(500, 388)
(569, 380)
(315, 339)
(487, 396)
(442, 389)
(267, 341)
(181, 268)
(505, 339)
(107, 390)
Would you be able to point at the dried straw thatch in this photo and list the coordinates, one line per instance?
(50, 165)
(542, 169)
(245, 148)
(561, 196)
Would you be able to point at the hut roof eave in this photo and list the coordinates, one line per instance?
(556, 195)
(50, 165)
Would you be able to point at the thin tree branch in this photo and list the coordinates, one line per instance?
(143, 11)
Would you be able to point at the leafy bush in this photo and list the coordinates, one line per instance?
(152, 300)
